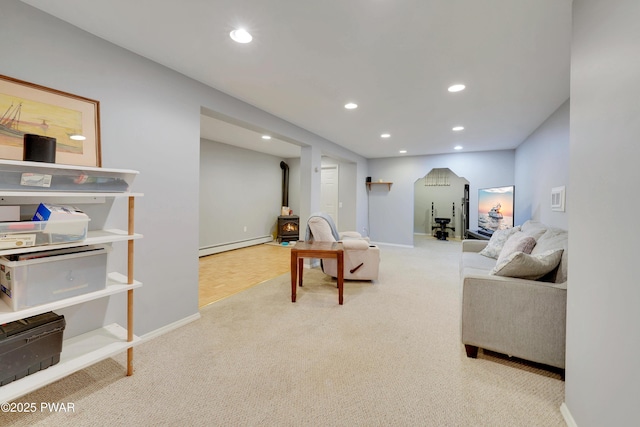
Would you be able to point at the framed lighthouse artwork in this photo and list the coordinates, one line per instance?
(29, 108)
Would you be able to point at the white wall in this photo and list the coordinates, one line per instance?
(603, 307)
(150, 121)
(545, 156)
(240, 195)
(391, 211)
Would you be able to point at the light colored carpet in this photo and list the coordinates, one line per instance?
(390, 356)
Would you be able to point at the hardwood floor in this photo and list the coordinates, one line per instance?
(227, 273)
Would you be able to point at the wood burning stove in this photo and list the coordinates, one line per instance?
(288, 225)
(288, 228)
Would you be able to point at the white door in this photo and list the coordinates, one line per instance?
(329, 191)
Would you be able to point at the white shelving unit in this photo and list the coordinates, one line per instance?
(86, 349)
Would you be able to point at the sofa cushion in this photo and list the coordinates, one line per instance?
(477, 261)
(497, 241)
(517, 242)
(472, 263)
(554, 238)
(525, 266)
(479, 272)
(534, 229)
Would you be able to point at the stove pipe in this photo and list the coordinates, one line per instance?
(285, 183)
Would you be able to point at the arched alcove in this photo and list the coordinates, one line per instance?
(440, 194)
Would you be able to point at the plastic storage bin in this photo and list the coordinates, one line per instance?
(23, 234)
(38, 176)
(52, 275)
(30, 345)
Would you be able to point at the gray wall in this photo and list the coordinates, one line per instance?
(603, 307)
(150, 121)
(138, 101)
(294, 185)
(349, 186)
(392, 211)
(542, 162)
(238, 188)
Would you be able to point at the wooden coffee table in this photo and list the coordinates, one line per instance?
(302, 250)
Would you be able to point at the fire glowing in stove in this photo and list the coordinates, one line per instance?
(290, 226)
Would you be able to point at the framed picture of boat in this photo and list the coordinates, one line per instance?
(28, 108)
(495, 208)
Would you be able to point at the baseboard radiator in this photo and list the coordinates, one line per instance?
(223, 247)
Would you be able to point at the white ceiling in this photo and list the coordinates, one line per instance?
(394, 58)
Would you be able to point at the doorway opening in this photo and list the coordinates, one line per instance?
(329, 192)
(441, 205)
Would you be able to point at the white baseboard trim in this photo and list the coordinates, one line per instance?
(170, 327)
(223, 247)
(392, 244)
(566, 414)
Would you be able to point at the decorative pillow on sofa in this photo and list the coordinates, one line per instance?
(555, 238)
(534, 229)
(526, 266)
(497, 241)
(517, 242)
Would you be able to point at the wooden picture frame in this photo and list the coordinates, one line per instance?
(28, 108)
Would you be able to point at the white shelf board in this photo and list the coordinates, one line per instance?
(77, 353)
(63, 194)
(108, 236)
(94, 237)
(116, 283)
(20, 165)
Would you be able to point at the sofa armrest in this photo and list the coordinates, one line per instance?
(355, 244)
(472, 245)
(346, 235)
(517, 317)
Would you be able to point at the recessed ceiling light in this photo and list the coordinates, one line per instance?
(351, 106)
(385, 135)
(266, 137)
(458, 147)
(241, 36)
(456, 88)
(457, 128)
(403, 151)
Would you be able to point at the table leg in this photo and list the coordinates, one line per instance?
(294, 274)
(340, 276)
(300, 270)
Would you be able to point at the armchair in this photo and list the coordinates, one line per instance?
(361, 259)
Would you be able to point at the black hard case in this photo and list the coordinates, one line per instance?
(30, 345)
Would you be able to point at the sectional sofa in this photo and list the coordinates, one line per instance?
(514, 293)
